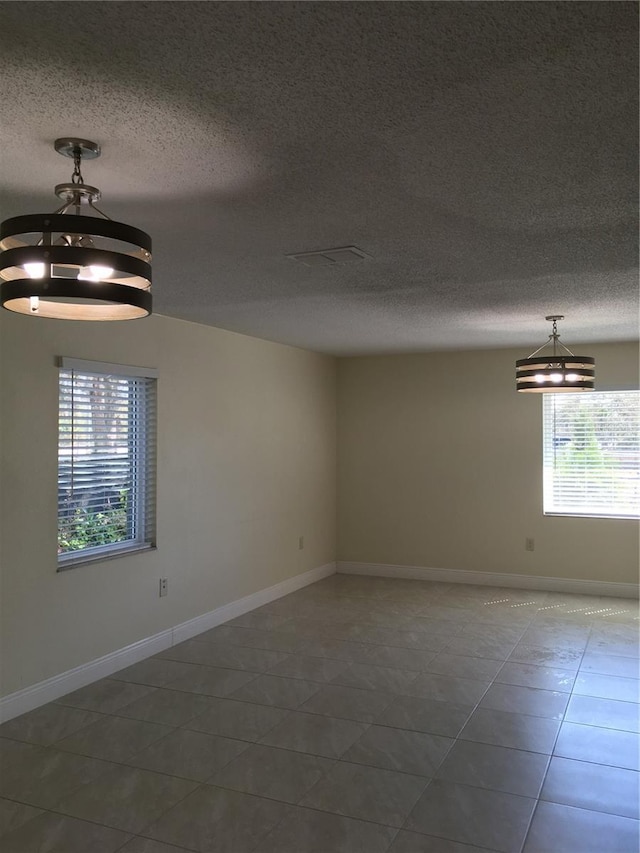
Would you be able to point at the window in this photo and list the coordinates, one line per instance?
(106, 460)
(592, 454)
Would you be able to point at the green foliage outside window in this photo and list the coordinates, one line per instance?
(84, 528)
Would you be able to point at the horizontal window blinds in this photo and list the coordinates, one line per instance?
(592, 454)
(106, 461)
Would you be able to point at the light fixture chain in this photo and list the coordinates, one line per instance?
(76, 177)
(554, 335)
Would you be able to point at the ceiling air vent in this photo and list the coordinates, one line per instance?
(327, 257)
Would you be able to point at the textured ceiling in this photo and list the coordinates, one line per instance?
(484, 155)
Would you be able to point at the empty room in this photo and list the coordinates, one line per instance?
(319, 427)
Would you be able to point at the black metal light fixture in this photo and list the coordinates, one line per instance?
(555, 372)
(67, 266)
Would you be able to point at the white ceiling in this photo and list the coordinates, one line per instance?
(483, 154)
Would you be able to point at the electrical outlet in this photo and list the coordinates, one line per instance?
(300, 543)
(529, 545)
(164, 587)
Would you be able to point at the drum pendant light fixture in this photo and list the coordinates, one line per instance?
(68, 266)
(540, 373)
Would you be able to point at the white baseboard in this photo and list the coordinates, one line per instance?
(73, 679)
(582, 587)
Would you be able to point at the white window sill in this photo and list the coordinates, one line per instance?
(71, 561)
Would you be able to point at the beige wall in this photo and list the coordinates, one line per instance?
(440, 465)
(246, 465)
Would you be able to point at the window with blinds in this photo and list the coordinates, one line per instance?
(106, 460)
(592, 454)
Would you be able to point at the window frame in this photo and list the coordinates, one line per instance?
(618, 389)
(145, 503)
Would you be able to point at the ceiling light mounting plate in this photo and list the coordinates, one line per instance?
(71, 146)
(68, 192)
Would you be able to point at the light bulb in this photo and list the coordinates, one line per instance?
(539, 377)
(34, 270)
(556, 377)
(572, 377)
(94, 273)
(101, 272)
(34, 304)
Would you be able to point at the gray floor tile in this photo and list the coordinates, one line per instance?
(225, 656)
(154, 672)
(371, 677)
(494, 633)
(606, 713)
(358, 643)
(253, 638)
(616, 633)
(565, 637)
(392, 656)
(13, 815)
(48, 724)
(564, 829)
(53, 833)
(311, 668)
(105, 696)
(398, 749)
(550, 657)
(440, 688)
(480, 647)
(149, 845)
(612, 646)
(315, 734)
(425, 715)
(241, 720)
(191, 755)
(625, 667)
(499, 768)
(394, 621)
(404, 639)
(317, 832)
(368, 793)
(607, 687)
(601, 746)
(212, 681)
(41, 775)
(262, 621)
(525, 700)
(348, 702)
(310, 628)
(414, 842)
(125, 798)
(170, 707)
(592, 786)
(463, 666)
(113, 738)
(542, 677)
(278, 691)
(518, 731)
(502, 615)
(472, 815)
(349, 652)
(279, 774)
(440, 621)
(218, 819)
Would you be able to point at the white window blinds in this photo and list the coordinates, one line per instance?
(592, 454)
(106, 460)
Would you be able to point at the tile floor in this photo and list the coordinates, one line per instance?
(358, 715)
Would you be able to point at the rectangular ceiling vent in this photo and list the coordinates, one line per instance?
(327, 257)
